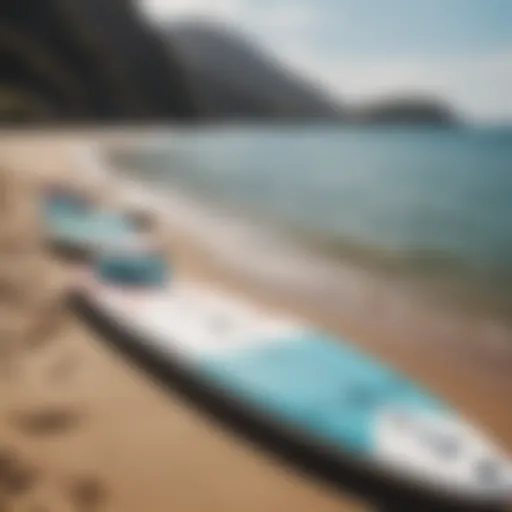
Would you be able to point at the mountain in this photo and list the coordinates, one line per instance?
(233, 78)
(100, 61)
(78, 60)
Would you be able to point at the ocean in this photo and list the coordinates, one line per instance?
(429, 207)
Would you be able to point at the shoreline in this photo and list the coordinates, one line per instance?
(426, 274)
(293, 270)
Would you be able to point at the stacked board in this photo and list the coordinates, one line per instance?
(73, 223)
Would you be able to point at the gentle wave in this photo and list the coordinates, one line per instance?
(416, 209)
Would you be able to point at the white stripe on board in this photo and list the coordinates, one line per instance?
(195, 320)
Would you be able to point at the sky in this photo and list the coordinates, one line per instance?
(363, 50)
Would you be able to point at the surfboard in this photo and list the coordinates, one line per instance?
(362, 424)
(75, 224)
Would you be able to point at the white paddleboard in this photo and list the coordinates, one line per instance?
(317, 385)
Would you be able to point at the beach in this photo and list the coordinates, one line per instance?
(89, 430)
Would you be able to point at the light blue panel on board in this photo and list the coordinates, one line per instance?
(133, 269)
(94, 227)
(318, 385)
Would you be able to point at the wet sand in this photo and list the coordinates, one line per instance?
(94, 433)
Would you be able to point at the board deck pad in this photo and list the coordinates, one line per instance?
(319, 385)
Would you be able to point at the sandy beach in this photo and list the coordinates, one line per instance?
(82, 430)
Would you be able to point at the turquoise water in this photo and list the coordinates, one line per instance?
(435, 203)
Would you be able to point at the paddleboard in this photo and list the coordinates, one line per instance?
(74, 224)
(366, 425)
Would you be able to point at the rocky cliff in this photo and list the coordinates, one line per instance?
(75, 60)
(233, 77)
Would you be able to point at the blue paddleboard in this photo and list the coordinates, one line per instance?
(72, 222)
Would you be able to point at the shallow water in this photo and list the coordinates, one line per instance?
(429, 205)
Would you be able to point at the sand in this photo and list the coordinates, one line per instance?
(80, 429)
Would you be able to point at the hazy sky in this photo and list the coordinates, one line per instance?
(362, 49)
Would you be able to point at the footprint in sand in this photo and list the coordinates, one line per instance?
(21, 489)
(87, 494)
(48, 420)
(16, 477)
